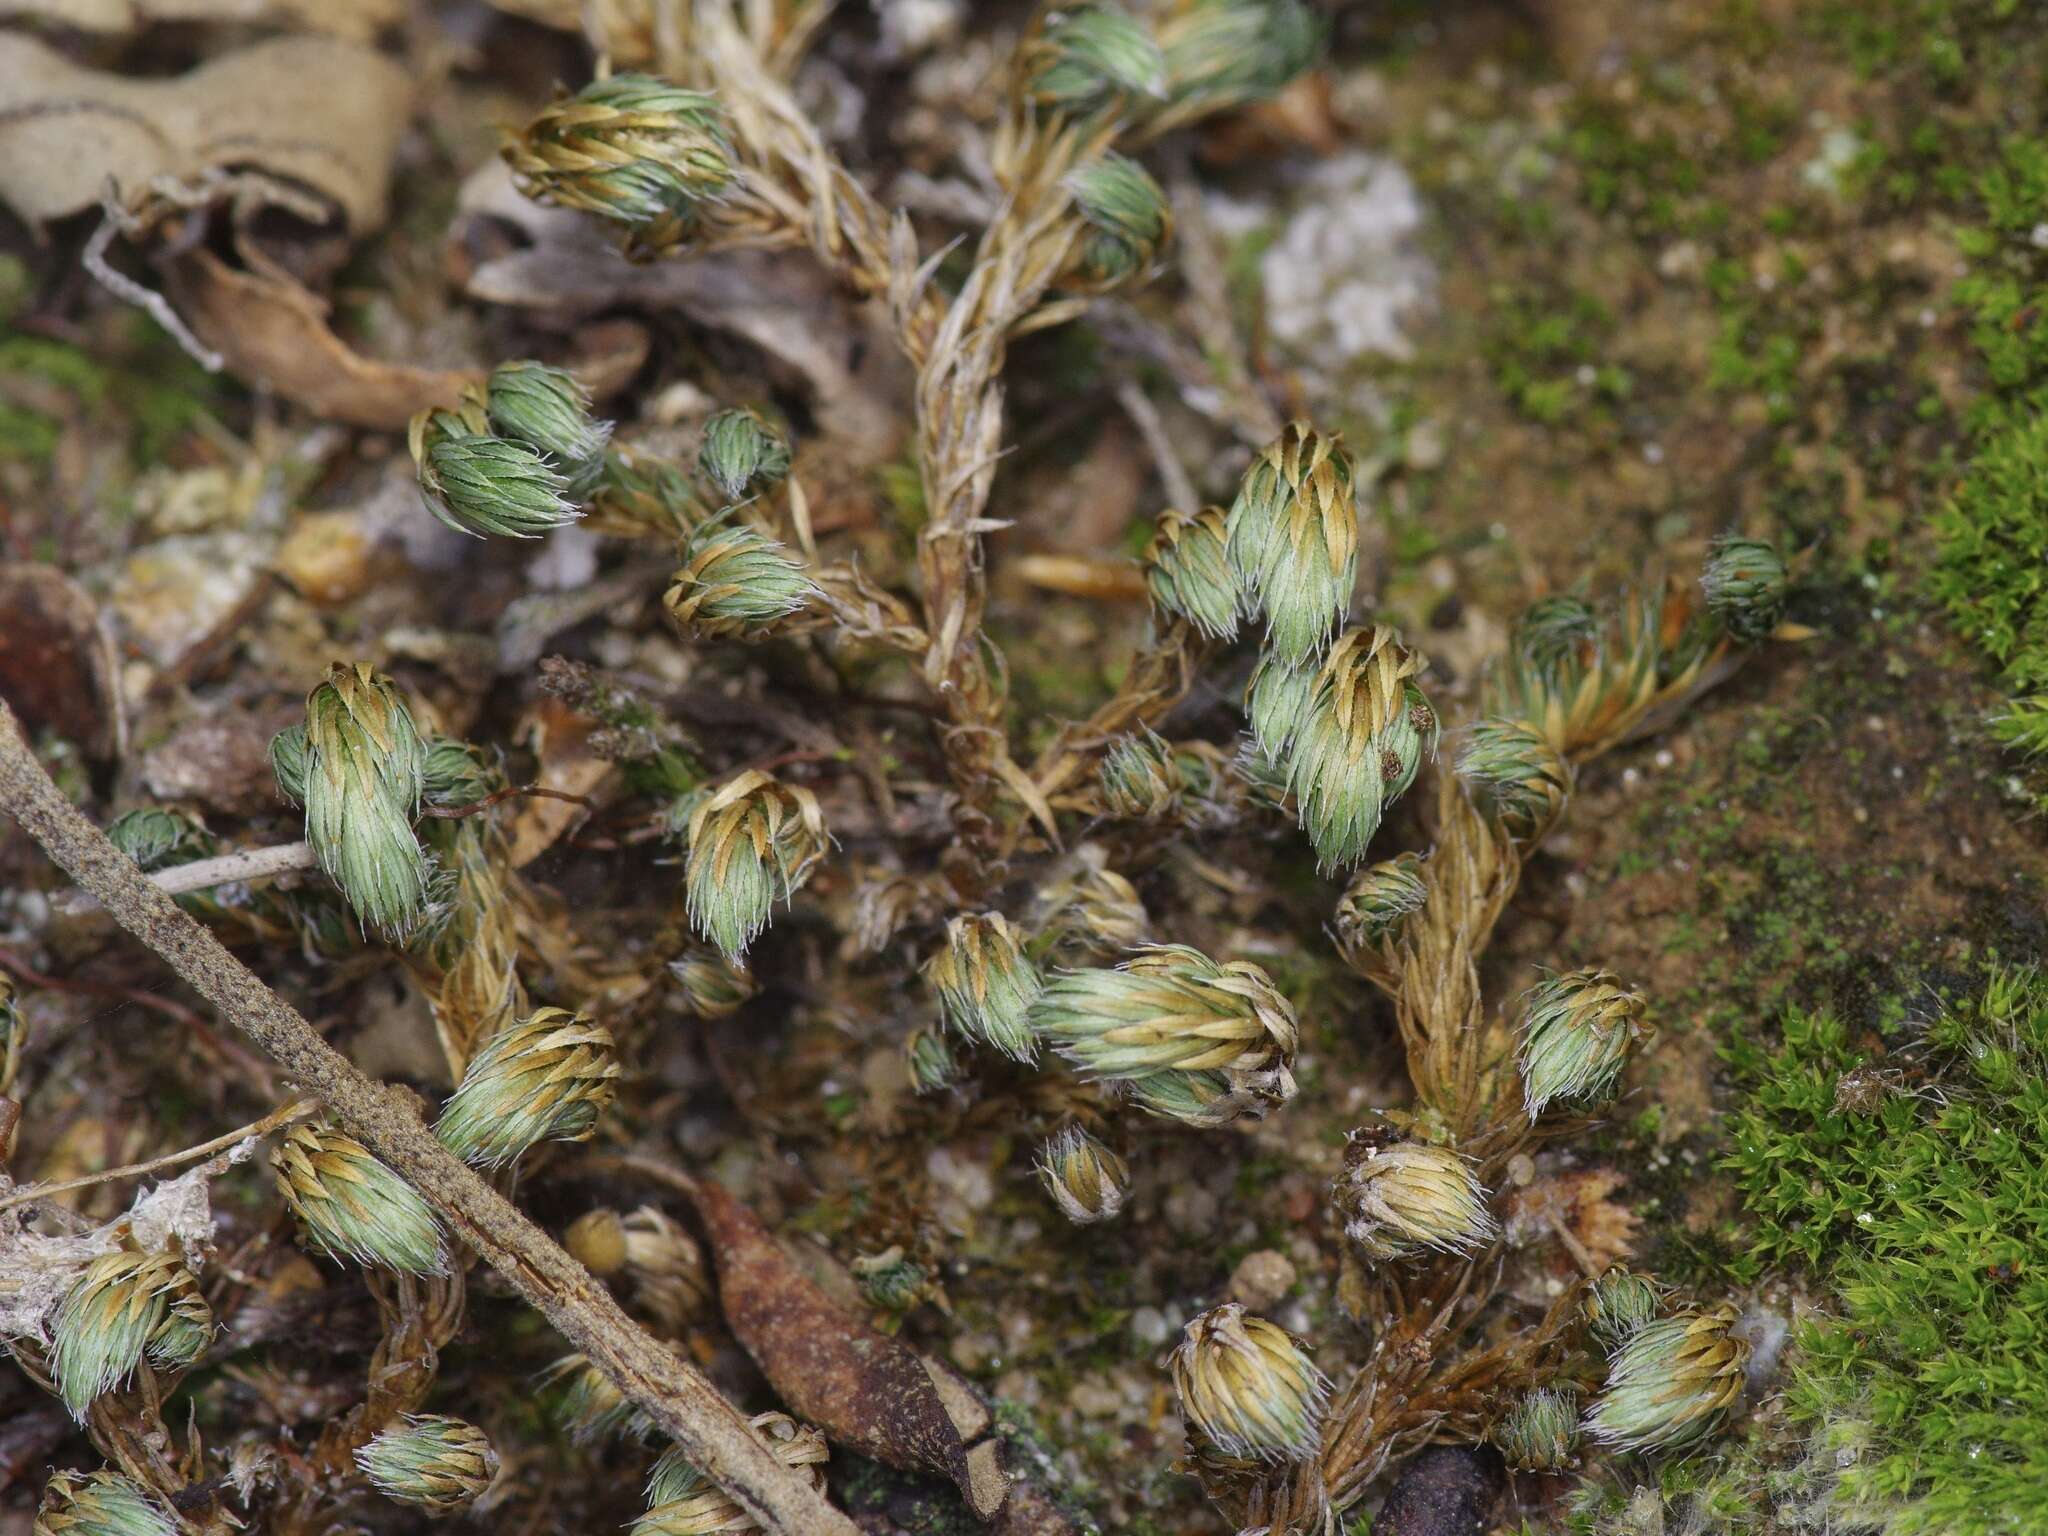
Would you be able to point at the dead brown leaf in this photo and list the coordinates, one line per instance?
(865, 1390)
(269, 328)
(358, 20)
(57, 663)
(220, 758)
(315, 111)
(561, 741)
(1575, 1207)
(1302, 116)
(625, 30)
(781, 302)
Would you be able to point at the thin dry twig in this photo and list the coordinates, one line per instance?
(679, 1399)
(298, 1109)
(1173, 475)
(499, 796)
(254, 1068)
(203, 874)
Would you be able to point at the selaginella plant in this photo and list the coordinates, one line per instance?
(1003, 893)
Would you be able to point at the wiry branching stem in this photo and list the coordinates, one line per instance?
(298, 1109)
(673, 1393)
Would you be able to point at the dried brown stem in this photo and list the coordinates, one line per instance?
(498, 797)
(297, 1110)
(1458, 1059)
(673, 1392)
(254, 1068)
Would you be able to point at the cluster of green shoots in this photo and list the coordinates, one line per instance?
(1057, 967)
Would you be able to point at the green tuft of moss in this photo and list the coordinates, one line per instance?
(1991, 573)
(1919, 1194)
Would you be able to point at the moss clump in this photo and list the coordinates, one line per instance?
(1992, 574)
(1547, 354)
(1992, 536)
(2008, 266)
(1920, 1196)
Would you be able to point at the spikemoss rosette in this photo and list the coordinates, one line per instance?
(735, 581)
(632, 149)
(1745, 582)
(588, 1406)
(546, 1078)
(1086, 1180)
(1568, 674)
(742, 452)
(1185, 1037)
(430, 1461)
(1294, 539)
(1125, 221)
(123, 1307)
(682, 1501)
(156, 838)
(1540, 1432)
(929, 1062)
(1365, 734)
(1618, 1305)
(987, 984)
(1516, 775)
(1143, 777)
(1378, 902)
(891, 1279)
(752, 843)
(670, 1275)
(289, 759)
(103, 1503)
(1188, 572)
(1086, 57)
(1577, 1030)
(1276, 705)
(636, 496)
(1554, 634)
(1096, 910)
(482, 484)
(351, 1206)
(364, 774)
(712, 987)
(1226, 53)
(549, 410)
(1137, 778)
(1401, 1198)
(1670, 1383)
(1247, 1388)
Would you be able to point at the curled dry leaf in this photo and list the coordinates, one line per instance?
(781, 302)
(269, 328)
(866, 1391)
(561, 743)
(358, 20)
(1577, 1207)
(626, 31)
(219, 757)
(315, 111)
(57, 663)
